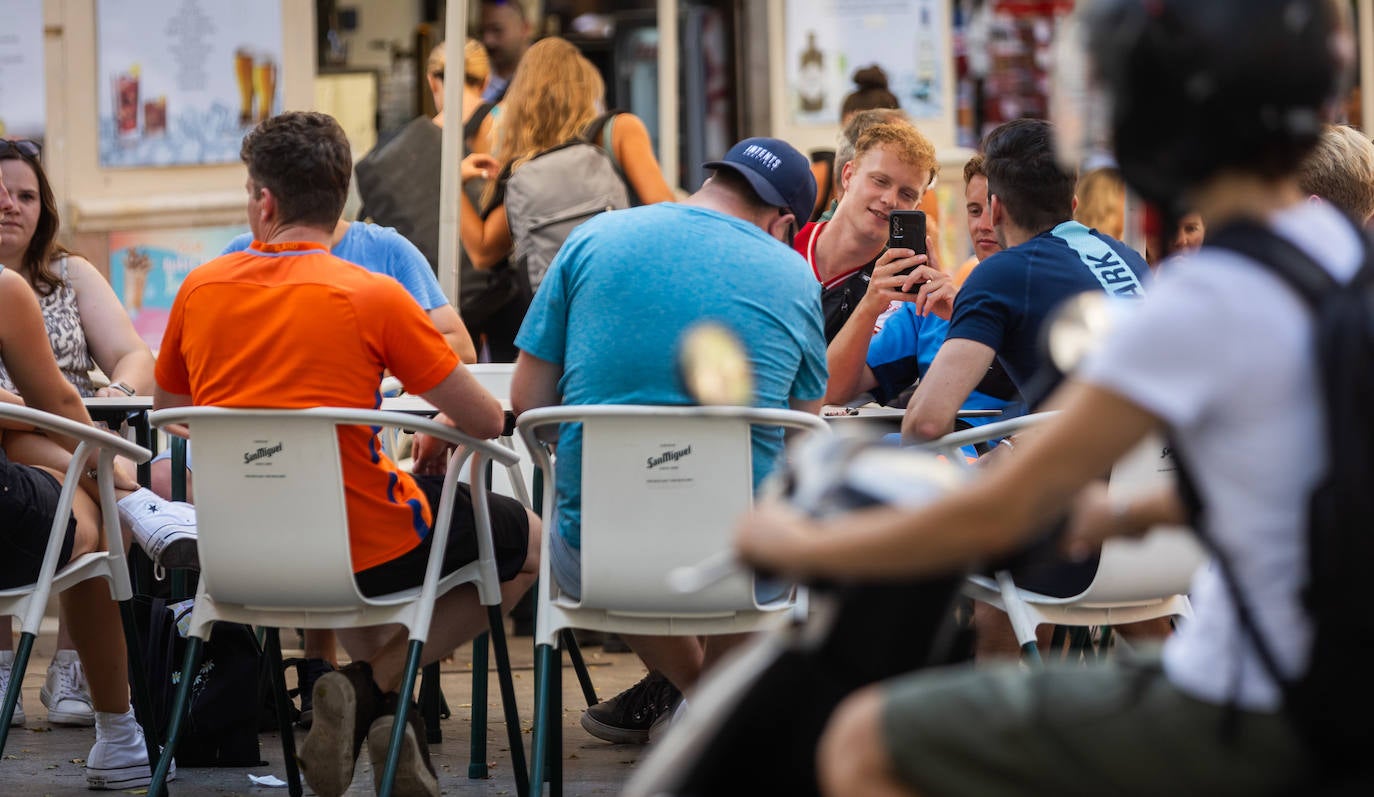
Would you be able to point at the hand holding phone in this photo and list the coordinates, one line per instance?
(906, 229)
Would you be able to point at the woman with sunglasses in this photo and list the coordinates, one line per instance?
(87, 327)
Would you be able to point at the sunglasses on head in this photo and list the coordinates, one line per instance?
(25, 147)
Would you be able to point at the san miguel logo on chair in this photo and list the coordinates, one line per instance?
(262, 452)
(669, 456)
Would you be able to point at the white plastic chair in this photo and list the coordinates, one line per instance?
(274, 547)
(29, 602)
(662, 488)
(513, 481)
(1136, 579)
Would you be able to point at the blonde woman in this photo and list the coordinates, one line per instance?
(1101, 195)
(477, 121)
(555, 94)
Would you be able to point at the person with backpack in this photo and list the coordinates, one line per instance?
(554, 104)
(1212, 107)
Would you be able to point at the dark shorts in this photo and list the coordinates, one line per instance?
(28, 501)
(1041, 567)
(510, 533)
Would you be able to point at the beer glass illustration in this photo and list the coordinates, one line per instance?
(155, 116)
(265, 86)
(243, 71)
(137, 264)
(125, 96)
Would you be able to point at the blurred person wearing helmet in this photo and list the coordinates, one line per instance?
(1213, 108)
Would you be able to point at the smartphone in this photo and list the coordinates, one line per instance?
(906, 229)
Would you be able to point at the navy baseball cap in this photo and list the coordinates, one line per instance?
(779, 174)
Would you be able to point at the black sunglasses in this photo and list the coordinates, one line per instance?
(25, 147)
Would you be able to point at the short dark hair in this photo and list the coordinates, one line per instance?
(304, 159)
(736, 184)
(1025, 176)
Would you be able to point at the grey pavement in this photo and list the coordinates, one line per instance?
(40, 759)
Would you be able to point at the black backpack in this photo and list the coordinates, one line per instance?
(1332, 705)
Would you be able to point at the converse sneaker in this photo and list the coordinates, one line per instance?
(308, 671)
(415, 776)
(627, 717)
(165, 530)
(664, 722)
(346, 702)
(6, 667)
(118, 765)
(65, 691)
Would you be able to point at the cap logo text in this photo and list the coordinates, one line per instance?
(763, 156)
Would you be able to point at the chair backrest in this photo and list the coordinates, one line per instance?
(662, 488)
(1161, 563)
(495, 377)
(272, 523)
(658, 493)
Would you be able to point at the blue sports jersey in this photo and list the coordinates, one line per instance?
(1006, 300)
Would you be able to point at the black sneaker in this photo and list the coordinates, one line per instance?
(626, 718)
(415, 775)
(308, 671)
(346, 702)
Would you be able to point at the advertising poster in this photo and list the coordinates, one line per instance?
(826, 41)
(22, 91)
(180, 81)
(148, 266)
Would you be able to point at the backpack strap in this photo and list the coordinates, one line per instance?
(474, 122)
(601, 132)
(1278, 255)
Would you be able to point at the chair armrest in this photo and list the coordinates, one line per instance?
(575, 413)
(360, 417)
(80, 431)
(988, 431)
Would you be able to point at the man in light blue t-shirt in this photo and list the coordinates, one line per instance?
(382, 250)
(604, 328)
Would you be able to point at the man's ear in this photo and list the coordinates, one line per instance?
(845, 174)
(995, 209)
(782, 227)
(267, 204)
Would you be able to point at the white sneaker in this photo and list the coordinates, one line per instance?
(121, 765)
(65, 691)
(7, 666)
(166, 530)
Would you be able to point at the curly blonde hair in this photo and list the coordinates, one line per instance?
(554, 95)
(903, 140)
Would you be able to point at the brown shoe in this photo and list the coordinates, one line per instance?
(415, 776)
(346, 702)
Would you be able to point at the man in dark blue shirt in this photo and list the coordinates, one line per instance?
(1047, 258)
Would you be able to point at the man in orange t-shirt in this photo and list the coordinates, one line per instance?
(285, 324)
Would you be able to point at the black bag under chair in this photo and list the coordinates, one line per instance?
(221, 728)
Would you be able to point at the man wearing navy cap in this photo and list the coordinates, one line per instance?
(604, 328)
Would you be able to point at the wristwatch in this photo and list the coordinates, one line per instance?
(123, 388)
